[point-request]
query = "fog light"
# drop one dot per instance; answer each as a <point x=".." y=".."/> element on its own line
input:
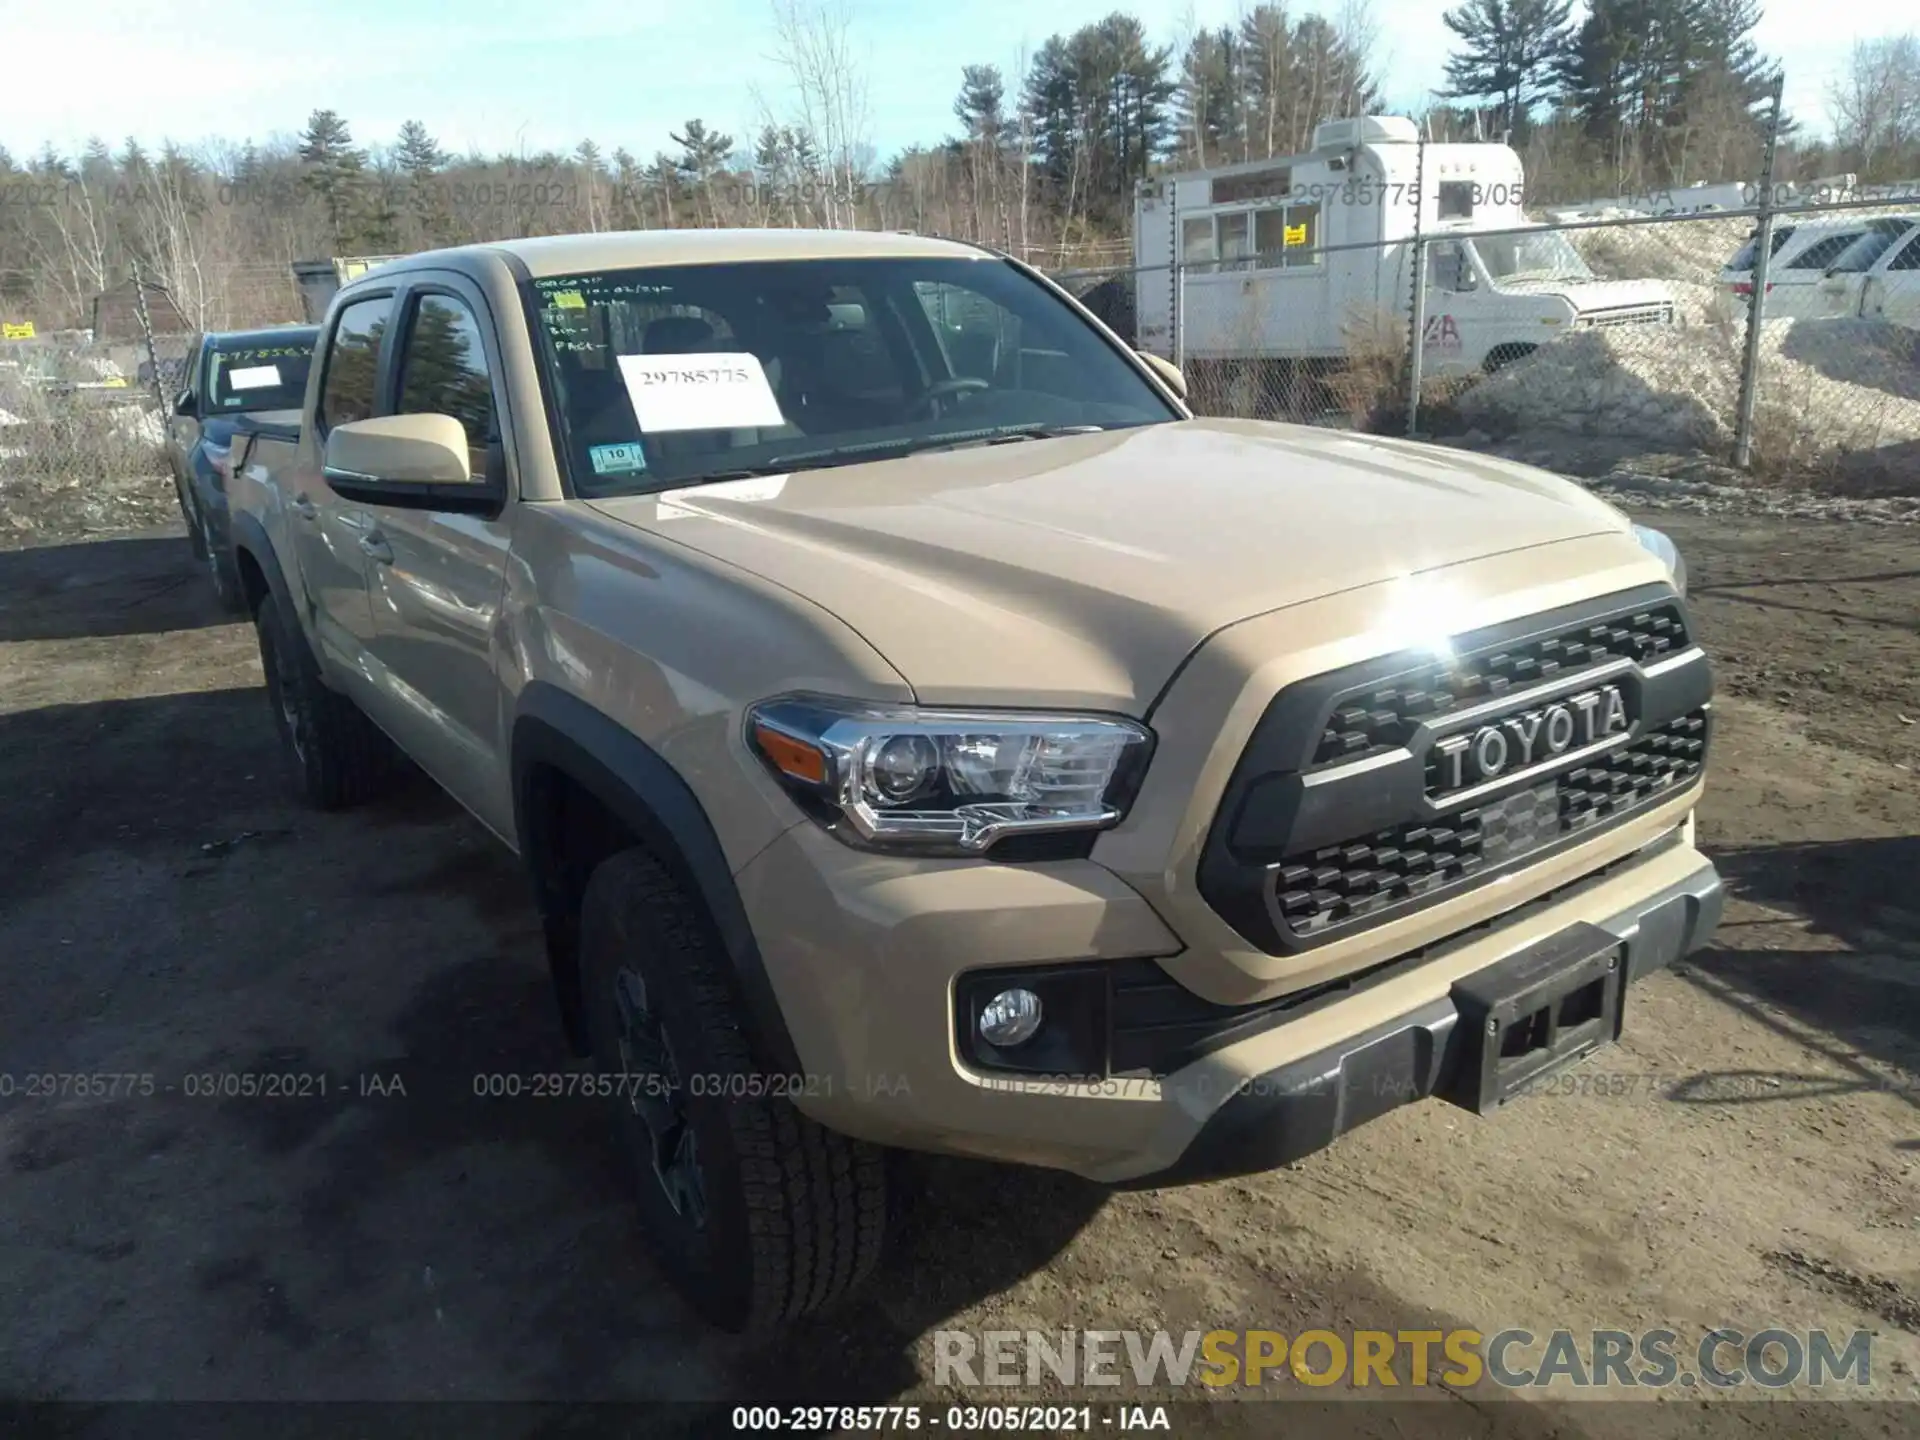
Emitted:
<point x="1010" y="1018"/>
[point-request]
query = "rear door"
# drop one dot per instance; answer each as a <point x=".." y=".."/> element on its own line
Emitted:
<point x="330" y="531"/>
<point x="1793" y="283"/>
<point x="1894" y="293"/>
<point x="435" y="577"/>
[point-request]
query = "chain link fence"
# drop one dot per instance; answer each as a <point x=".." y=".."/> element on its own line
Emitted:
<point x="83" y="428"/>
<point x="1587" y="345"/>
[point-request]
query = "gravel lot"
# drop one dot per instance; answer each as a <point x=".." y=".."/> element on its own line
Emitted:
<point x="163" y="912"/>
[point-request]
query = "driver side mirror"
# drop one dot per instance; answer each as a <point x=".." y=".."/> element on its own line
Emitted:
<point x="418" y="462"/>
<point x="1168" y="372"/>
<point x="183" y="405"/>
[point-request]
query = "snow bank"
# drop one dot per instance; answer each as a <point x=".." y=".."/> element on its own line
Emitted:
<point x="1828" y="387"/>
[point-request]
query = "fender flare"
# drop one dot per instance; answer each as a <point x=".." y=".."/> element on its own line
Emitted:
<point x="249" y="537"/>
<point x="553" y="728"/>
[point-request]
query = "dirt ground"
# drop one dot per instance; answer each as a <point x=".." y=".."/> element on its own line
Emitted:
<point x="164" y="913"/>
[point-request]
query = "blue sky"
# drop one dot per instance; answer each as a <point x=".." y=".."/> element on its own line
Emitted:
<point x="501" y="75"/>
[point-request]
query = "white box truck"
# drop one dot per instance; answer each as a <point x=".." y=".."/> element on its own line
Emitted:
<point x="1261" y="278"/>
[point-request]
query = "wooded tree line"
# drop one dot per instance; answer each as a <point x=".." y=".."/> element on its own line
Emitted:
<point x="1624" y="94"/>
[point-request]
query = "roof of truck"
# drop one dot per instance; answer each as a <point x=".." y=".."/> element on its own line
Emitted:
<point x="545" y="255"/>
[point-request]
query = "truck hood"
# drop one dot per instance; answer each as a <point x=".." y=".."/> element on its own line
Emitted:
<point x="1590" y="295"/>
<point x="1084" y="569"/>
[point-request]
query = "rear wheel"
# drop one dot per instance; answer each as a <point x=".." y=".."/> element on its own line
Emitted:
<point x="756" y="1214"/>
<point x="335" y="756"/>
<point x="1502" y="356"/>
<point x="191" y="519"/>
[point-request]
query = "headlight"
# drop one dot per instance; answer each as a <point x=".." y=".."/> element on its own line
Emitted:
<point x="1661" y="545"/>
<point x="949" y="781"/>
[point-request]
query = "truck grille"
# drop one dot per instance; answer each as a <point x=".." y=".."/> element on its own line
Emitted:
<point x="1376" y="873"/>
<point x="1375" y="790"/>
<point x="1385" y="718"/>
<point x="1661" y="314"/>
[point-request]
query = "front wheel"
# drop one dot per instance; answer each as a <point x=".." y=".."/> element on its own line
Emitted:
<point x="756" y="1214"/>
<point x="220" y="569"/>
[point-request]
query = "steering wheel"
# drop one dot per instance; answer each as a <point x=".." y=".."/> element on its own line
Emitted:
<point x="929" y="401"/>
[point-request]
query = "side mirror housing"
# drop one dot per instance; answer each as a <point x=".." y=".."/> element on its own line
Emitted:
<point x="1168" y="372"/>
<point x="183" y="404"/>
<point x="399" y="450"/>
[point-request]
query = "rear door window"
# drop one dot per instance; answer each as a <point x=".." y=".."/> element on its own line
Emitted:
<point x="1824" y="252"/>
<point x="1744" y="260"/>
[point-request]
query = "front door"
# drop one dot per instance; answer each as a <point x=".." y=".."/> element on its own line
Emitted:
<point x="435" y="579"/>
<point x="183" y="431"/>
<point x="330" y="532"/>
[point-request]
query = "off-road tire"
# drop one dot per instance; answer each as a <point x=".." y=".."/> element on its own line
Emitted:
<point x="795" y="1214"/>
<point x="335" y="756"/>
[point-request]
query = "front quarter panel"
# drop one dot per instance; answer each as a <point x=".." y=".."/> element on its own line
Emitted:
<point x="673" y="646"/>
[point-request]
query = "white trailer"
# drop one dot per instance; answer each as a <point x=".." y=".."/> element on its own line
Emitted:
<point x="1261" y="276"/>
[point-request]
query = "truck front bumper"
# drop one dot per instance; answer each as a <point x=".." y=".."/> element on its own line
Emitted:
<point x="1306" y="1104"/>
<point x="872" y="959"/>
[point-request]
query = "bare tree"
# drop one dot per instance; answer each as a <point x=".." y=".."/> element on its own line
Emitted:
<point x="1876" y="103"/>
<point x="815" y="47"/>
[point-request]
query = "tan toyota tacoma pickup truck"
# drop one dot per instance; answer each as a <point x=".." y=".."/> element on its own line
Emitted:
<point x="920" y="731"/>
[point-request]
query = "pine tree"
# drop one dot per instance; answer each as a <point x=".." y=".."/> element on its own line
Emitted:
<point x="987" y="135"/>
<point x="1209" y="101"/>
<point x="52" y="164"/>
<point x="334" y="170"/>
<point x="1509" y="50"/>
<point x="1052" y="107"/>
<point x="703" y="152"/>
<point x="417" y="152"/>
<point x="981" y="107"/>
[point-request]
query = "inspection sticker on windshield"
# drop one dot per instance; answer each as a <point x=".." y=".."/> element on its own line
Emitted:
<point x="617" y="459"/>
<point x="699" y="392"/>
<point x="254" y="377"/>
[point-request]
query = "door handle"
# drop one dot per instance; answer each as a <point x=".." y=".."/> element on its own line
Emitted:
<point x="376" y="548"/>
<point x="304" y="508"/>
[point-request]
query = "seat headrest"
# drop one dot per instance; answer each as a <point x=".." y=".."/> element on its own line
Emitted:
<point x="676" y="335"/>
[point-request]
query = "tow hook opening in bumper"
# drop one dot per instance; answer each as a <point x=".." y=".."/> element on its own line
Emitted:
<point x="1526" y="1016"/>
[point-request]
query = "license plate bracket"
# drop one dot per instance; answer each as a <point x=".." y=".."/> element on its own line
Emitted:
<point x="1534" y="1013"/>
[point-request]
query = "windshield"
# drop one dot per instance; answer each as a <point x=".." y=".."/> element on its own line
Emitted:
<point x="668" y="376"/>
<point x="258" y="377"/>
<point x="1540" y="255"/>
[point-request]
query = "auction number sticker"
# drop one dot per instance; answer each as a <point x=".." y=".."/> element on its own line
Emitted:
<point x="699" y="392"/>
<point x="254" y="377"/>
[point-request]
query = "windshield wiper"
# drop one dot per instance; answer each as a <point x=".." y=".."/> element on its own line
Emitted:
<point x="875" y="450"/>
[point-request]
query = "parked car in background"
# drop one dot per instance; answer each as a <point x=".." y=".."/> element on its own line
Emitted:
<point x="1879" y="275"/>
<point x="1802" y="252"/>
<point x="228" y="378"/>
